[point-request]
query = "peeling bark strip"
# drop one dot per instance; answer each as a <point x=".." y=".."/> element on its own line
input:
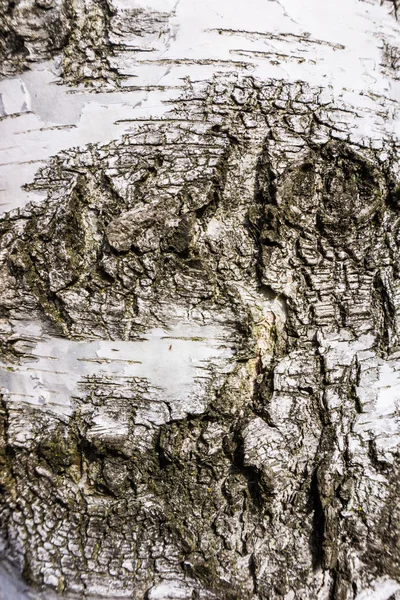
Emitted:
<point x="199" y="300"/>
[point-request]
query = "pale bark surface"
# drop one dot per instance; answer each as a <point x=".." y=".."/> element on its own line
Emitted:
<point x="199" y="300"/>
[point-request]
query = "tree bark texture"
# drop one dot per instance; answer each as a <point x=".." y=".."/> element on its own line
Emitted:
<point x="199" y="300"/>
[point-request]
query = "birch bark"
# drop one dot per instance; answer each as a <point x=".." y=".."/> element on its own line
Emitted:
<point x="199" y="300"/>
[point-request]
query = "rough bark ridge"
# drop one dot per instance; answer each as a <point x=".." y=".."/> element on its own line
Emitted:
<point x="200" y="345"/>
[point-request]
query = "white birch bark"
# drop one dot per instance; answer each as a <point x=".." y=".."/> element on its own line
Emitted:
<point x="199" y="299"/>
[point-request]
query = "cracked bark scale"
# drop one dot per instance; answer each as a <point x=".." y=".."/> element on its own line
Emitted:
<point x="199" y="301"/>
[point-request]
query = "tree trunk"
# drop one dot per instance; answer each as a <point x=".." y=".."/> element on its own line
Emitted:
<point x="200" y="300"/>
